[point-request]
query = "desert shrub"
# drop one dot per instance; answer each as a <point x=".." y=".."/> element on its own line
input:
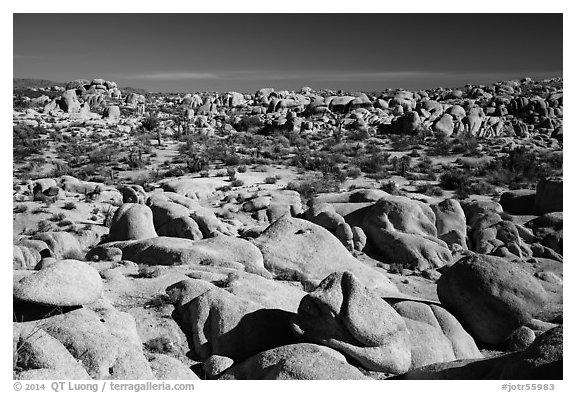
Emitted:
<point x="204" y="174"/>
<point x="465" y="144"/>
<point x="20" y="208"/>
<point x="65" y="223"/>
<point x="242" y="168"/>
<point x="175" y="171"/>
<point x="237" y="183"/>
<point x="481" y="187"/>
<point x="353" y="172"/>
<point x="150" y="123"/>
<point x="26" y="142"/>
<point x="430" y="190"/>
<point x="44" y="226"/>
<point x="309" y="187"/>
<point x="270" y="180"/>
<point x="390" y="187"/>
<point x="58" y="217"/>
<point x="231" y="159"/>
<point x="401" y="143"/>
<point x="360" y="135"/>
<point x="160" y="344"/>
<point x="380" y="175"/>
<point x="69" y="206"/>
<point x="108" y="214"/>
<point x="440" y="148"/>
<point x="453" y="179"/>
<point x="373" y="163"/>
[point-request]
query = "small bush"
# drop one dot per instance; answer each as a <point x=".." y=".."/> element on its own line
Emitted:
<point x="69" y="206"/>
<point x="65" y="223"/>
<point x="20" y="208"/>
<point x="390" y="187"/>
<point x="430" y="190"/>
<point x="271" y="180"/>
<point x="204" y="174"/>
<point x="159" y="345"/>
<point x="237" y="183"/>
<point x="242" y="169"/>
<point x="58" y="217"/>
<point x="353" y="172"/>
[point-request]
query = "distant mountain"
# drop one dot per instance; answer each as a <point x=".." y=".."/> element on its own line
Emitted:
<point x="127" y="90"/>
<point x="27" y="83"/>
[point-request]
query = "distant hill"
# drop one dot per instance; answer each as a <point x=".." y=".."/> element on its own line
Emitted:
<point x="24" y="83"/>
<point x="127" y="90"/>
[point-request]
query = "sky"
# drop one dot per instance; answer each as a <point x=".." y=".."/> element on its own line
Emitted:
<point x="244" y="52"/>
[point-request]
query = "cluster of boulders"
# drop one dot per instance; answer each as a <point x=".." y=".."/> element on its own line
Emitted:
<point x="258" y="286"/>
<point x="511" y="108"/>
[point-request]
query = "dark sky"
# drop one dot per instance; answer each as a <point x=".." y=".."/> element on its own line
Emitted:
<point x="243" y="52"/>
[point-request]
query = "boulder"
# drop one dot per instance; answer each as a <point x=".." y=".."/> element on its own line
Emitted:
<point x="435" y="335"/>
<point x="490" y="296"/>
<point x="443" y="127"/>
<point x="345" y="315"/>
<point x="166" y="367"/>
<point x="450" y="222"/>
<point x="61" y="244"/>
<point x="549" y="196"/>
<point x="543" y="360"/>
<point x="519" y="202"/>
<point x="222" y="251"/>
<point x="61" y="284"/>
<point x="36" y="349"/>
<point x="297" y="249"/>
<point x="132" y="221"/>
<point x="220" y="323"/>
<point x="68" y="101"/>
<point x="112" y="114"/>
<point x="105" y="342"/>
<point x="295" y="362"/>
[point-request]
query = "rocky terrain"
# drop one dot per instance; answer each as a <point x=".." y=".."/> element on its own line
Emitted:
<point x="288" y="235"/>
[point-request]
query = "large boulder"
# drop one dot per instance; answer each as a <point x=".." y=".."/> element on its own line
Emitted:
<point x="345" y="315"/>
<point x="450" y="222"/>
<point x="103" y="341"/>
<point x="443" y="127"/>
<point x="220" y="323"/>
<point x="193" y="188"/>
<point x="112" y="114"/>
<point x="61" y="284"/>
<point x="168" y="207"/>
<point x="61" y="244"/>
<point x="294" y="362"/>
<point x="24" y="257"/>
<point x="490" y="296"/>
<point x="222" y="251"/>
<point x="37" y="350"/>
<point x="297" y="249"/>
<point x="543" y="360"/>
<point x="518" y="201"/>
<point x="435" y="335"/>
<point x="132" y="221"/>
<point x="549" y="198"/>
<point x="403" y="231"/>
<point x="68" y="101"/>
